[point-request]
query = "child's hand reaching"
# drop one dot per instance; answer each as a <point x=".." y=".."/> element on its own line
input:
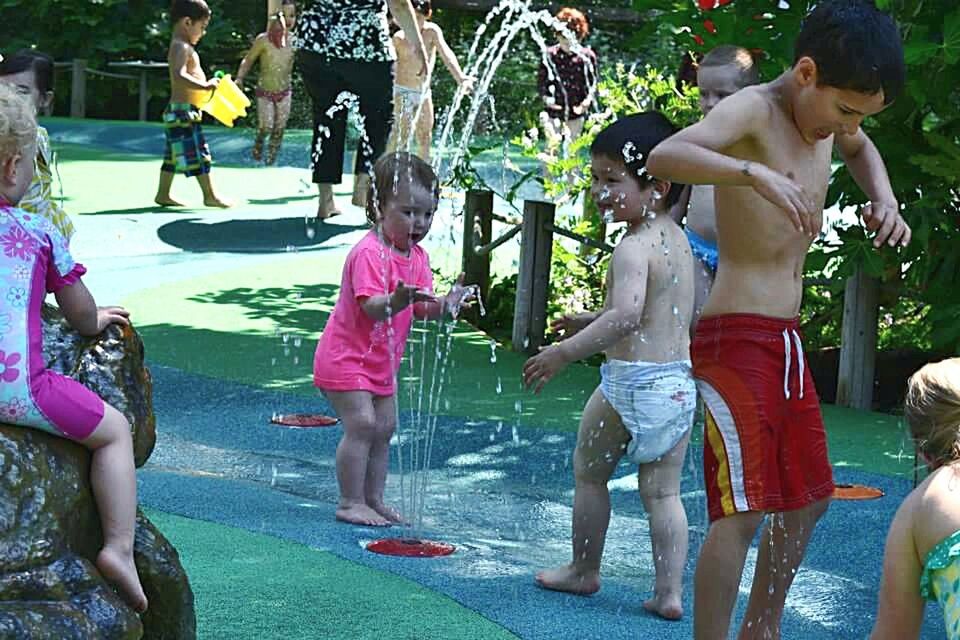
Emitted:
<point x="460" y="296"/>
<point x="539" y="369"/>
<point x="107" y="316"/>
<point x="466" y="83"/>
<point x="405" y="295"/>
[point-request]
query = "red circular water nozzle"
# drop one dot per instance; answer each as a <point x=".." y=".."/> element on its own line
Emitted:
<point x="303" y="420"/>
<point x="410" y="547"/>
<point x="856" y="492"/>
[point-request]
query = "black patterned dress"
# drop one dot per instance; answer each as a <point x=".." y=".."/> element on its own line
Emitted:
<point x="345" y="46"/>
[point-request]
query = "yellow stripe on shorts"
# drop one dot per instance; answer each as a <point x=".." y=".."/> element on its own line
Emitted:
<point x="723" y="471"/>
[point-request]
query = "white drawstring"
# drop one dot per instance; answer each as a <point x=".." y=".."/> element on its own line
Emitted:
<point x="787" y="349"/>
<point x="787" y="356"/>
<point x="796" y="339"/>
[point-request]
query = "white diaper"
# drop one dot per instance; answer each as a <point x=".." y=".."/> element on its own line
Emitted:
<point x="656" y="402"/>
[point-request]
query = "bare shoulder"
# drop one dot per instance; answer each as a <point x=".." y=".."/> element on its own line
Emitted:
<point x="935" y="505"/>
<point x="633" y="250"/>
<point x="759" y="101"/>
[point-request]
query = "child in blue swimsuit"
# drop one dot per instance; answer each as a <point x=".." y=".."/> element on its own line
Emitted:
<point x="922" y="557"/>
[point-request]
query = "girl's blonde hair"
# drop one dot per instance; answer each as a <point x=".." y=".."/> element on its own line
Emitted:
<point x="393" y="170"/>
<point x="18" y="125"/>
<point x="932" y="409"/>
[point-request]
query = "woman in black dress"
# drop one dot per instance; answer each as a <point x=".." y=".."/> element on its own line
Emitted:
<point x="345" y="45"/>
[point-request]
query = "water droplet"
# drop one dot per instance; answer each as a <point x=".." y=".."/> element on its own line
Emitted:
<point x="518" y="406"/>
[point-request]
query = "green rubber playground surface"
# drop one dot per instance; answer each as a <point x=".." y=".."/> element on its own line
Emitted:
<point x="242" y="296"/>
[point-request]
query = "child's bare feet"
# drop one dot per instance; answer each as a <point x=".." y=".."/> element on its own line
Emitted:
<point x="118" y="568"/>
<point x="167" y="202"/>
<point x="566" y="578"/>
<point x="361" y="514"/>
<point x="387" y="512"/>
<point x="668" y="608"/>
<point x="214" y="201"/>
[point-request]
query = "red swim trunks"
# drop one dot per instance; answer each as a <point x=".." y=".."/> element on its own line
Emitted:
<point x="765" y="448"/>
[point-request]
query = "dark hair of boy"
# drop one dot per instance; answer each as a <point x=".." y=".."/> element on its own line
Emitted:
<point x="193" y="9"/>
<point x="29" y="60"/>
<point x="855" y="47"/>
<point x="424" y="6"/>
<point x="630" y="140"/>
<point x="728" y="54"/>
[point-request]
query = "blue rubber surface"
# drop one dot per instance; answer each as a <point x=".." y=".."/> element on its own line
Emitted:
<point x="503" y="496"/>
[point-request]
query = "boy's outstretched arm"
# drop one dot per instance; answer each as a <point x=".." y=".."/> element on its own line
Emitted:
<point x="406" y="18"/>
<point x="449" y="57"/>
<point x="697" y="155"/>
<point x="900" y="608"/>
<point x="82" y="312"/>
<point x="622" y="316"/>
<point x="868" y="170"/>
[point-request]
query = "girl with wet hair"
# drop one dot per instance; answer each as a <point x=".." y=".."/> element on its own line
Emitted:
<point x="386" y="283"/>
<point x="922" y="557"/>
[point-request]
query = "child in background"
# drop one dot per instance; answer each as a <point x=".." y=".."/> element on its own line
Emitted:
<point x="645" y="402"/>
<point x="413" y="114"/>
<point x="568" y="87"/>
<point x="186" y="148"/>
<point x="31" y="74"/>
<point x="922" y="557"/>
<point x="35" y="261"/>
<point x="386" y="283"/>
<point x="722" y="72"/>
<point x="274" y="92"/>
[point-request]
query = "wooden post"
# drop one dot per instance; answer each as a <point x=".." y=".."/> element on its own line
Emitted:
<point x="78" y="89"/>
<point x="858" y="341"/>
<point x="477" y="231"/>
<point x="144" y="95"/>
<point x="533" y="280"/>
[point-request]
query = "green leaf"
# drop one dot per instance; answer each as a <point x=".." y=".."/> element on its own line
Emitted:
<point x="951" y="38"/>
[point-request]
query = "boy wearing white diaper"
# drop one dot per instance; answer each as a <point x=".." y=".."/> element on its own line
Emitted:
<point x="645" y="403"/>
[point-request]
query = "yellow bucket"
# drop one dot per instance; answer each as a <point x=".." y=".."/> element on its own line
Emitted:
<point x="226" y="104"/>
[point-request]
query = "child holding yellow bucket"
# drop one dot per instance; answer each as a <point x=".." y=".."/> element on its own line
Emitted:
<point x="186" y="148"/>
<point x="274" y="51"/>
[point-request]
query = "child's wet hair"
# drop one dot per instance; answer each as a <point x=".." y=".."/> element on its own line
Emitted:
<point x="193" y="9"/>
<point x="393" y="170"/>
<point x="932" y="409"/>
<point x="630" y="140"/>
<point x="576" y="21"/>
<point x="30" y="60"/>
<point x="728" y="54"/>
<point x="18" y="125"/>
<point x="855" y="47"/>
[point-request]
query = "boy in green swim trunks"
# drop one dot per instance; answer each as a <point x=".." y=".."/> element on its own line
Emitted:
<point x="922" y="558"/>
<point x="186" y="148"/>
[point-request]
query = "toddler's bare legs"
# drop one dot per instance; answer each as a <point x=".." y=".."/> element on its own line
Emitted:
<point x="600" y="444"/>
<point x="265" y="117"/>
<point x="163" y="191"/>
<point x="782" y="546"/>
<point x="115" y="491"/>
<point x="281" y="115"/>
<point x="660" y="492"/>
<point x="360" y="431"/>
<point x="385" y="408"/>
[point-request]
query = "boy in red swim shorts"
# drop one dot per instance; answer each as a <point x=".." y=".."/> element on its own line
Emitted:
<point x="768" y="150"/>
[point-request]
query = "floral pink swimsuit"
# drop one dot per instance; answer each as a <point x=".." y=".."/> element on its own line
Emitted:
<point x="34" y="261"/>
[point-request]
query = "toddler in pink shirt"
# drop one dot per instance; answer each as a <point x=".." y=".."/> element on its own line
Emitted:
<point x="386" y="283"/>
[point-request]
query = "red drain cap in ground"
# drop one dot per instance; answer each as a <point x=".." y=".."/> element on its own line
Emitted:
<point x="856" y="492"/>
<point x="410" y="547"/>
<point x="303" y="420"/>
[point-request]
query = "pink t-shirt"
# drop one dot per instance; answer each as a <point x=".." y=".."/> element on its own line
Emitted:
<point x="354" y="352"/>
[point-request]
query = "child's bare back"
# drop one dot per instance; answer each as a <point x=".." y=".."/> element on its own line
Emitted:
<point x="667" y="303"/>
<point x="408" y="59"/>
